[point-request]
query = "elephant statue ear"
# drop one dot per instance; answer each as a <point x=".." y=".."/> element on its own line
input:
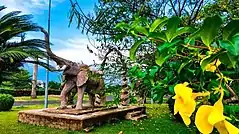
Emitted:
<point x="82" y="77"/>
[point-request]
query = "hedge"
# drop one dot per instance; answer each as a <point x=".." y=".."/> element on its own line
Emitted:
<point x="17" y="93"/>
<point x="6" y="102"/>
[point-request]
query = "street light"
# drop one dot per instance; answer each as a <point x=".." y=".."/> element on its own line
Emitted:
<point x="48" y="41"/>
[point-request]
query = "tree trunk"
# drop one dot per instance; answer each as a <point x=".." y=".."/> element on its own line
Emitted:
<point x="34" y="81"/>
<point x="124" y="92"/>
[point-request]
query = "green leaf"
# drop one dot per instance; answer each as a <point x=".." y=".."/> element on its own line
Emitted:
<point x="153" y="70"/>
<point x="122" y="26"/>
<point x="231" y="46"/>
<point x="158" y="23"/>
<point x="192" y="37"/>
<point x="167" y="45"/>
<point x="158" y="93"/>
<point x="172" y="26"/>
<point x="134" y="48"/>
<point x="209" y="29"/>
<point x="171" y="89"/>
<point x="230" y="29"/>
<point x="161" y="58"/>
<point x="208" y="60"/>
<point x="182" y="30"/>
<point x="228" y="59"/>
<point x="142" y="30"/>
<point x="141" y="74"/>
<point x="182" y="66"/>
<point x="118" y="37"/>
<point x="157" y="36"/>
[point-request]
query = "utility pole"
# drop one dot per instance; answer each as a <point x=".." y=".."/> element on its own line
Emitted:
<point x="47" y="71"/>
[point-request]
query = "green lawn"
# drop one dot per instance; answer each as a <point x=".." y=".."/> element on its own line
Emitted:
<point x="159" y="122"/>
<point x="41" y="98"/>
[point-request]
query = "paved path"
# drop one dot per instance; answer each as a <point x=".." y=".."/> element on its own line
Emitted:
<point x="35" y="102"/>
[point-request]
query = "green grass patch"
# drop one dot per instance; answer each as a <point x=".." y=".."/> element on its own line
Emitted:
<point x="39" y="98"/>
<point x="159" y="122"/>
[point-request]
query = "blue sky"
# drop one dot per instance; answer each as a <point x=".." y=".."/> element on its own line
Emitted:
<point x="68" y="42"/>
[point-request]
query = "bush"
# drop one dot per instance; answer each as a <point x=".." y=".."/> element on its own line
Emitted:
<point x="6" y="102"/>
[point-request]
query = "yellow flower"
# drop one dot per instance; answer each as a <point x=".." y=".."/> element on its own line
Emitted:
<point x="208" y="117"/>
<point x="185" y="102"/>
<point x="211" y="67"/>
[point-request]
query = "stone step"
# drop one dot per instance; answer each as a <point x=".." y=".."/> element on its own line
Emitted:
<point x="139" y="117"/>
<point x="133" y="114"/>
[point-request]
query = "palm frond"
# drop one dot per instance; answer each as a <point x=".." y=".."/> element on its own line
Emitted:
<point x="43" y="64"/>
<point x="2" y="8"/>
<point x="14" y="55"/>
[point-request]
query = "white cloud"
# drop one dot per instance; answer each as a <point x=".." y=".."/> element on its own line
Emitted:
<point x="75" y="49"/>
<point x="27" y="6"/>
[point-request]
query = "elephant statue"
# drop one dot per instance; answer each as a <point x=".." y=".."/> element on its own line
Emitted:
<point x="78" y="76"/>
<point x="83" y="80"/>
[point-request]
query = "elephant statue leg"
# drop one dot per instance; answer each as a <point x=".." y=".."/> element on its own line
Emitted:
<point x="80" y="92"/>
<point x="102" y="99"/>
<point x="71" y="95"/>
<point x="92" y="100"/>
<point x="66" y="88"/>
<point x="81" y="80"/>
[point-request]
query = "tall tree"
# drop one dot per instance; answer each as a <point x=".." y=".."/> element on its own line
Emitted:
<point x="108" y="13"/>
<point x="34" y="81"/>
<point x="14" y="54"/>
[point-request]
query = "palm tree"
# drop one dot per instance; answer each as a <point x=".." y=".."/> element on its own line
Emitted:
<point x="14" y="54"/>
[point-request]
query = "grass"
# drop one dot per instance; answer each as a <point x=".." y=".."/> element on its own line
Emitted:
<point x="159" y="122"/>
<point x="41" y="98"/>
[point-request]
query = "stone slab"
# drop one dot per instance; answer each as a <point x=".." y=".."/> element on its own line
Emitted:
<point x="75" y="119"/>
<point x="86" y="109"/>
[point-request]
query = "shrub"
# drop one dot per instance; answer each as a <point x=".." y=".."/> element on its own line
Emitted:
<point x="6" y="102"/>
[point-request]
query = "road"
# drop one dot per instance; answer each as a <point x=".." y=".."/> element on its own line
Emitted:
<point x="22" y="103"/>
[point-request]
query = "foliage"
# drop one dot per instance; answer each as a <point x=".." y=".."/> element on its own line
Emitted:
<point x="13" y="53"/>
<point x="6" y="102"/>
<point x="19" y="80"/>
<point x="197" y="55"/>
<point x="114" y="91"/>
<point x="54" y="85"/>
<point x="108" y="13"/>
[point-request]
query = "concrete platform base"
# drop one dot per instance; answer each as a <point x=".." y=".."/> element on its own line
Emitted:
<point x="72" y="119"/>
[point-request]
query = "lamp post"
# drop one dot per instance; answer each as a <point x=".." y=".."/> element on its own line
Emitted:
<point x="47" y="38"/>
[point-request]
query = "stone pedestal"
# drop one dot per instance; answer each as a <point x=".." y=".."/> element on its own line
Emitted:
<point x="72" y="119"/>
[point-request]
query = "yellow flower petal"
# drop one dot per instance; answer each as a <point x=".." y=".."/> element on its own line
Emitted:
<point x="211" y="67"/>
<point x="177" y="104"/>
<point x="230" y="128"/>
<point x="220" y="126"/>
<point x="201" y="119"/>
<point x="183" y="91"/>
<point x="186" y="119"/>
<point x="215" y="116"/>
<point x="218" y="62"/>
<point x="188" y="108"/>
<point x="219" y="105"/>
